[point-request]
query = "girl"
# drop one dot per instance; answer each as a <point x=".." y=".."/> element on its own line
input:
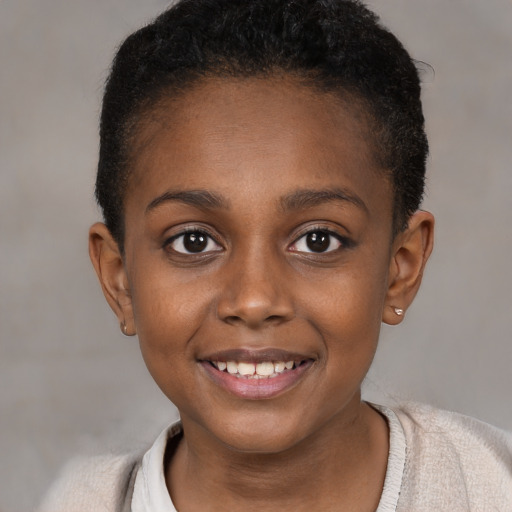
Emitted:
<point x="261" y="170"/>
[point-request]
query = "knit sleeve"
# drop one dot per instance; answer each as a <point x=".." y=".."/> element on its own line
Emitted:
<point x="102" y="484"/>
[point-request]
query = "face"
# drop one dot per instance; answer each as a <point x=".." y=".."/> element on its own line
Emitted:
<point x="257" y="257"/>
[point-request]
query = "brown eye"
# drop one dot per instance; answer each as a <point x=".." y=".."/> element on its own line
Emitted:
<point x="193" y="242"/>
<point x="319" y="241"/>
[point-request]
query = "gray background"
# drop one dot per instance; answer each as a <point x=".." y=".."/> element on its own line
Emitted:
<point x="69" y="381"/>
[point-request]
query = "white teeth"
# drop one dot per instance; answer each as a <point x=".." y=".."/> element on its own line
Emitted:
<point x="261" y="370"/>
<point x="232" y="367"/>
<point x="265" y="368"/>
<point x="279" y="367"/>
<point x="246" y="368"/>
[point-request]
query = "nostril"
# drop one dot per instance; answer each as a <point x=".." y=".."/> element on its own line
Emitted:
<point x="274" y="318"/>
<point x="253" y="321"/>
<point x="232" y="319"/>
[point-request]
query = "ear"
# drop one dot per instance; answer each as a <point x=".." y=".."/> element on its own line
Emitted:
<point x="411" y="250"/>
<point x="109" y="265"/>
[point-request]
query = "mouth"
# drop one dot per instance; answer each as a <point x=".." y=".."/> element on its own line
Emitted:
<point x="261" y="370"/>
<point x="256" y="375"/>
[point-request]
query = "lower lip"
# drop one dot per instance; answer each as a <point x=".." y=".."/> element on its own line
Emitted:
<point x="257" y="389"/>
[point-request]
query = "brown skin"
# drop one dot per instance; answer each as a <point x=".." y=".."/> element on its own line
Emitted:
<point x="256" y="143"/>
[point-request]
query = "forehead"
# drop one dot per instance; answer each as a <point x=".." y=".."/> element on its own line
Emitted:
<point x="276" y="131"/>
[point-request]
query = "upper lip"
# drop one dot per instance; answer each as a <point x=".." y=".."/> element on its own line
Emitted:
<point x="251" y="355"/>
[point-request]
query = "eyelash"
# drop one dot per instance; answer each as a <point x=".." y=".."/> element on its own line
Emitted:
<point x="343" y="242"/>
<point x="200" y="232"/>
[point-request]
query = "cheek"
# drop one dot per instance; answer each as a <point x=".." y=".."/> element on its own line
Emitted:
<point x="167" y="314"/>
<point x="349" y="325"/>
<point x="346" y="308"/>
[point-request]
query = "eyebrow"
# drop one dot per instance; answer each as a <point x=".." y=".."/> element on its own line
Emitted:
<point x="198" y="198"/>
<point x="302" y="199"/>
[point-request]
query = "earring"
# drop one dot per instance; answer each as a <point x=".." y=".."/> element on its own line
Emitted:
<point x="398" y="311"/>
<point x="124" y="329"/>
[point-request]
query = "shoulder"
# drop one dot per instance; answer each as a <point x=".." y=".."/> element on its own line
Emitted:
<point x="426" y="425"/>
<point x="454" y="460"/>
<point x="100" y="483"/>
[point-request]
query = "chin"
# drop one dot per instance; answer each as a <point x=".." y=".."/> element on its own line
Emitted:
<point x="263" y="436"/>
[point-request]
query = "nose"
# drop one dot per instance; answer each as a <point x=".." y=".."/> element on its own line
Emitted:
<point x="255" y="292"/>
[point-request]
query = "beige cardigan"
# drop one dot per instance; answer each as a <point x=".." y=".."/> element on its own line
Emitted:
<point x="449" y="462"/>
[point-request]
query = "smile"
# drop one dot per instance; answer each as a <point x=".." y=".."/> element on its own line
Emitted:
<point x="262" y="370"/>
<point x="256" y="375"/>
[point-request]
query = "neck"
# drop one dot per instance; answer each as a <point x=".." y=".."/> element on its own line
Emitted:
<point x="342" y="466"/>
